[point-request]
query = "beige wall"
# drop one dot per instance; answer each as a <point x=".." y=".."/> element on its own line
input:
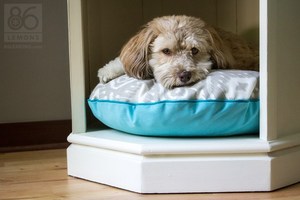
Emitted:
<point x="34" y="73"/>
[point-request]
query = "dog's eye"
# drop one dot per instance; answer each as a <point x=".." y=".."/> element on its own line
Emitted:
<point x="194" y="51"/>
<point x="167" y="51"/>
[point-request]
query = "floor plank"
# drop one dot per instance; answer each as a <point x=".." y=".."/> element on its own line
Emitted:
<point x="42" y="175"/>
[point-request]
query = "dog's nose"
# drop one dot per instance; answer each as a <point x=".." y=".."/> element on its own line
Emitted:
<point x="185" y="76"/>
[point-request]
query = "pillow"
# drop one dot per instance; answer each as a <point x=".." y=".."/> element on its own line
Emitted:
<point x="225" y="103"/>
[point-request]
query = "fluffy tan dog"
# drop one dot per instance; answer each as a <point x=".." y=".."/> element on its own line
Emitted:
<point x="180" y="50"/>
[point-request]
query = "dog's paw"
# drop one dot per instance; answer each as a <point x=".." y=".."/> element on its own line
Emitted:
<point x="105" y="75"/>
<point x="111" y="71"/>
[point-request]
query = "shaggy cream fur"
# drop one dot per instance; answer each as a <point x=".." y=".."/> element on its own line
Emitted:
<point x="181" y="50"/>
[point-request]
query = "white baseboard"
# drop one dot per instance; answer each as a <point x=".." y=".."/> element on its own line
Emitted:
<point x="105" y="161"/>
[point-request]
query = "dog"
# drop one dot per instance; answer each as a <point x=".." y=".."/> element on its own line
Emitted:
<point x="179" y="51"/>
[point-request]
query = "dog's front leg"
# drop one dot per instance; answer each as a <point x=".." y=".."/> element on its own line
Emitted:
<point x="111" y="71"/>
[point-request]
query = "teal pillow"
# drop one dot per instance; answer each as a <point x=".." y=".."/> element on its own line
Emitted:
<point x="225" y="103"/>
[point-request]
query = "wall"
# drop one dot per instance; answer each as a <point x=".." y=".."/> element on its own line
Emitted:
<point x="34" y="71"/>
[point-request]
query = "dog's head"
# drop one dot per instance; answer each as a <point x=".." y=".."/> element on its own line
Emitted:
<point x="175" y="50"/>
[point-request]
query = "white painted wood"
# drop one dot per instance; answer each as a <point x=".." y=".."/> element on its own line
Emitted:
<point x="279" y="68"/>
<point x="108" y="167"/>
<point x="206" y="174"/>
<point x="285" y="167"/>
<point x="77" y="67"/>
<point x="264" y="162"/>
<point x="263" y="63"/>
<point x="185" y="173"/>
<point x="164" y="174"/>
<point x="268" y="77"/>
<point x="118" y="141"/>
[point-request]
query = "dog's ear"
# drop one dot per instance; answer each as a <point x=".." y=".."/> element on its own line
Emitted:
<point x="220" y="53"/>
<point x="134" y="54"/>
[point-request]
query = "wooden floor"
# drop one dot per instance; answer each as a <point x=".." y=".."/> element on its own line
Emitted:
<point x="43" y="175"/>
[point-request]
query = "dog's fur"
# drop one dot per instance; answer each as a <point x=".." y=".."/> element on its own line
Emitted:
<point x="180" y="50"/>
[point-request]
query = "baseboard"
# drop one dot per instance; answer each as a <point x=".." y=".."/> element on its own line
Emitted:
<point x="185" y="173"/>
<point x="184" y="165"/>
<point x="34" y="135"/>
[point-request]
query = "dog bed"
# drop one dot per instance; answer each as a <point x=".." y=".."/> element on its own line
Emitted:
<point x="225" y="103"/>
